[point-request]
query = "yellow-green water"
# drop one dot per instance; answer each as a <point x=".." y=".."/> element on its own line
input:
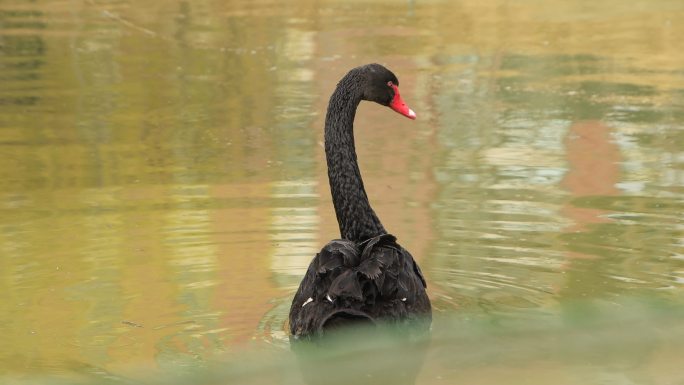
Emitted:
<point x="163" y="188"/>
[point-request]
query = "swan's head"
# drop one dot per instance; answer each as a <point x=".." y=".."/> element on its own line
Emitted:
<point x="381" y="86"/>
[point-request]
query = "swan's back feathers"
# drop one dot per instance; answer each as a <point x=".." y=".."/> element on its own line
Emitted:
<point x="376" y="278"/>
<point x="337" y="253"/>
<point x="346" y="287"/>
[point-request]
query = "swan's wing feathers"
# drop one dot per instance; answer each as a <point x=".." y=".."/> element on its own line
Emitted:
<point x="394" y="272"/>
<point x="350" y="253"/>
<point x="388" y="239"/>
<point x="368" y="247"/>
<point x="378" y="262"/>
<point x="342" y="245"/>
<point x="336" y="253"/>
<point x="380" y="240"/>
<point x="371" y="268"/>
<point x="328" y="261"/>
<point x="346" y="285"/>
<point x="391" y="268"/>
<point x="416" y="268"/>
<point x="388" y="286"/>
<point x="419" y="273"/>
<point x="404" y="283"/>
<point x="307" y="289"/>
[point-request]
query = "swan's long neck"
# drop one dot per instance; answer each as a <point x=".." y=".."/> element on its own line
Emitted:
<point x="356" y="218"/>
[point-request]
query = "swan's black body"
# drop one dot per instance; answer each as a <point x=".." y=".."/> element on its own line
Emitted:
<point x="366" y="276"/>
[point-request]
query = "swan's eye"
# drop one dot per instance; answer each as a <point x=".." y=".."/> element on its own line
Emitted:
<point x="389" y="83"/>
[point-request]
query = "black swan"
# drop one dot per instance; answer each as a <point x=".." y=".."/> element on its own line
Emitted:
<point x="366" y="277"/>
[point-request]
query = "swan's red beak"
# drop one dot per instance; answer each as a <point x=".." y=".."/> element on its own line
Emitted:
<point x="397" y="104"/>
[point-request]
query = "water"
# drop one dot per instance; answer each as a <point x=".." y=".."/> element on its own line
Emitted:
<point x="163" y="188"/>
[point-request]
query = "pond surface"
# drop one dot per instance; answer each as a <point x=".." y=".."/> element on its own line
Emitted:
<point x="163" y="184"/>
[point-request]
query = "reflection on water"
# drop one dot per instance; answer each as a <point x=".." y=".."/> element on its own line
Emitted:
<point x="163" y="184"/>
